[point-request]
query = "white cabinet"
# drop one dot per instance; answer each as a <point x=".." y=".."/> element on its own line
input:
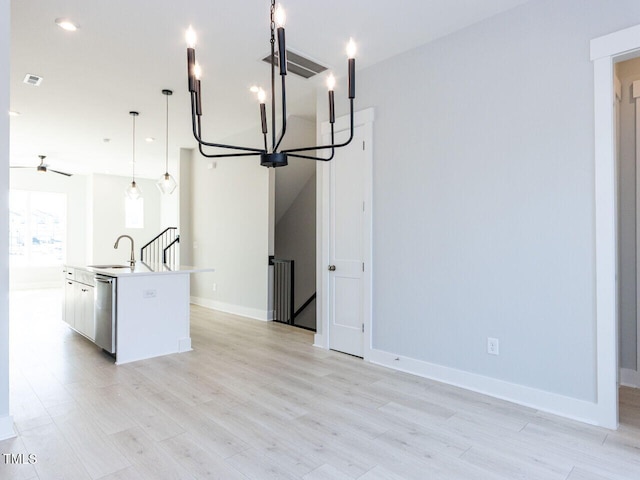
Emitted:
<point x="79" y="302"/>
<point x="83" y="310"/>
<point x="69" y="302"/>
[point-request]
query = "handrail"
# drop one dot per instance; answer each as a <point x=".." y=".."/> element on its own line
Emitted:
<point x="154" y="239"/>
<point x="305" y="305"/>
<point x="164" y="251"/>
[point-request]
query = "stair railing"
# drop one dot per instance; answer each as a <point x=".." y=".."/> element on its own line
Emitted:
<point x="161" y="249"/>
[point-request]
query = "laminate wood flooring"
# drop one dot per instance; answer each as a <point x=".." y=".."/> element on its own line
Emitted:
<point x="255" y="400"/>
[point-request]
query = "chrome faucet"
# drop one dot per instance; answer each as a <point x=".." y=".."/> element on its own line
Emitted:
<point x="132" y="262"/>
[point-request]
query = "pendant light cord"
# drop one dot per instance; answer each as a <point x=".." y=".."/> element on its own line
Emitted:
<point x="166" y="141"/>
<point x="133" y="163"/>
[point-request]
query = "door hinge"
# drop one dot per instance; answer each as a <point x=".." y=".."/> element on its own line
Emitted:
<point x="363" y="266"/>
<point x="363" y="144"/>
<point x="363" y="328"/>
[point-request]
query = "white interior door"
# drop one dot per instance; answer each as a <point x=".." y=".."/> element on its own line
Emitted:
<point x="346" y="249"/>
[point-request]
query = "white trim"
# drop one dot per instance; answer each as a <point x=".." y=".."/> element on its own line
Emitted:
<point x="255" y="313"/>
<point x="604" y="51"/>
<point x="363" y="118"/>
<point x="629" y="378"/>
<point x="573" y="408"/>
<point x="6" y="428"/>
<point x="615" y="44"/>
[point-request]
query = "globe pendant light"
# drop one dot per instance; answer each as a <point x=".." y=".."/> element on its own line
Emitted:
<point x="166" y="184"/>
<point x="133" y="191"/>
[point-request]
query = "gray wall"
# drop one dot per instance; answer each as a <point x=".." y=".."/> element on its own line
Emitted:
<point x="185" y="228"/>
<point x="296" y="240"/>
<point x="483" y="191"/>
<point x="107" y="213"/>
<point x="628" y="72"/>
<point x="4" y="207"/>
<point x="230" y="222"/>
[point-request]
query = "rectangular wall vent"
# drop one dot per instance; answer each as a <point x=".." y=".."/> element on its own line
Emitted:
<point x="32" y="79"/>
<point x="298" y="64"/>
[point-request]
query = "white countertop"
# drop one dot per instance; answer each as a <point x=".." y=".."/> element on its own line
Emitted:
<point x="141" y="268"/>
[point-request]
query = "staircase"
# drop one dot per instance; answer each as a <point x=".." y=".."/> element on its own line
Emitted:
<point x="162" y="250"/>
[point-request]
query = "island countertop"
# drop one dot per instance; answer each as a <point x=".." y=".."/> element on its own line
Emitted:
<point x="140" y="269"/>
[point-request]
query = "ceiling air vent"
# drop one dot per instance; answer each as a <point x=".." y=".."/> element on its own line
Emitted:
<point x="32" y="79"/>
<point x="298" y="64"/>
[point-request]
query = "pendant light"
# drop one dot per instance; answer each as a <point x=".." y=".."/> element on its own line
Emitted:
<point x="166" y="183"/>
<point x="133" y="191"/>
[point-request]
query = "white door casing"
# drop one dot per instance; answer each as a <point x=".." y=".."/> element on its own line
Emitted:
<point x="344" y="240"/>
<point x="605" y="51"/>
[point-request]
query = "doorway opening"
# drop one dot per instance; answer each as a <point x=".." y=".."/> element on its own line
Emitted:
<point x="294" y="265"/>
<point x="627" y="138"/>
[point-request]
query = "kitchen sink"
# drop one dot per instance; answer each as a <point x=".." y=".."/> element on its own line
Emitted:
<point x="108" y="266"/>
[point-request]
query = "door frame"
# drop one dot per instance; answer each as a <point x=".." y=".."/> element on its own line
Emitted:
<point x="605" y="51"/>
<point x="363" y="118"/>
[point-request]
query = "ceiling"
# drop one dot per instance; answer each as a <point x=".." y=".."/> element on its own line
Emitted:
<point x="126" y="51"/>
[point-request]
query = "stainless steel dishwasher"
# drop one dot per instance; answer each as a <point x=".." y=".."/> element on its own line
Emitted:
<point x="105" y="309"/>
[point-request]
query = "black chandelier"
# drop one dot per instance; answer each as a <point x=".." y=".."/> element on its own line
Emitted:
<point x="271" y="156"/>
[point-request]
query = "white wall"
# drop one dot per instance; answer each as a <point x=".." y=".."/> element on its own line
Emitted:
<point x="483" y="195"/>
<point x="108" y="213"/>
<point x="230" y="218"/>
<point x="6" y="423"/>
<point x="184" y="199"/>
<point x="75" y="189"/>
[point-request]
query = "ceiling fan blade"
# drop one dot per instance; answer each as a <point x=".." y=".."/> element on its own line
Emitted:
<point x="61" y="173"/>
<point x="18" y="166"/>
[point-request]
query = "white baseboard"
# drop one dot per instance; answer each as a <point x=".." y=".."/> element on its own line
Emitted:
<point x="256" y="314"/>
<point x="554" y="403"/>
<point x="629" y="378"/>
<point x="6" y="428"/>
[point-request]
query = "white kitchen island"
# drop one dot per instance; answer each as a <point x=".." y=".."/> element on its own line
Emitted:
<point x="151" y="308"/>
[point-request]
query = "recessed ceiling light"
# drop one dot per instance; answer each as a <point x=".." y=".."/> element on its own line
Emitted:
<point x="13" y="113"/>
<point x="66" y="24"/>
<point x="149" y="139"/>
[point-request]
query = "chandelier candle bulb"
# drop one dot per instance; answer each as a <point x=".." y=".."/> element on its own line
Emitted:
<point x="351" y="54"/>
<point x="331" y="85"/>
<point x="198" y="99"/>
<point x="282" y="52"/>
<point x="197" y="73"/>
<point x="262" y="96"/>
<point x="190" y="37"/>
<point x="280" y="18"/>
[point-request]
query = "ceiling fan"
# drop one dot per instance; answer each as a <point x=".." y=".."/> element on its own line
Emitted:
<point x="44" y="168"/>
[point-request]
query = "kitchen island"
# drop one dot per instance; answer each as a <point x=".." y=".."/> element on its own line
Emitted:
<point x="146" y="308"/>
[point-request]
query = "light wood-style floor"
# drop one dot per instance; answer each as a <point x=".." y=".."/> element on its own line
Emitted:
<point x="256" y="401"/>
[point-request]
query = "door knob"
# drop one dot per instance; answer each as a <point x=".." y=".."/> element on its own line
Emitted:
<point x="332" y="268"/>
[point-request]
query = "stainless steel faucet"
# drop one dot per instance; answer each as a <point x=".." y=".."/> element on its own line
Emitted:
<point x="132" y="262"/>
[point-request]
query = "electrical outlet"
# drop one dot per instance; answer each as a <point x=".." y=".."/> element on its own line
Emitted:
<point x="493" y="347"/>
<point x="215" y="287"/>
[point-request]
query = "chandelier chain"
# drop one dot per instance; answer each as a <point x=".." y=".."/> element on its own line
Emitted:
<point x="273" y="22"/>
